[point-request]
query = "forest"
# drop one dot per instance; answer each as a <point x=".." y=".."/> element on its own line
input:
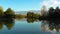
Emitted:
<point x="51" y="14"/>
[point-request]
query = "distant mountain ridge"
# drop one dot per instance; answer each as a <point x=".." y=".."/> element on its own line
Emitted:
<point x="25" y="12"/>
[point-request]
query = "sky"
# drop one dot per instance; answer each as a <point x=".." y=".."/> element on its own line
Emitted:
<point x="25" y="5"/>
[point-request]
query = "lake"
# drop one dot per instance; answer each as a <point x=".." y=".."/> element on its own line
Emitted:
<point x="23" y="27"/>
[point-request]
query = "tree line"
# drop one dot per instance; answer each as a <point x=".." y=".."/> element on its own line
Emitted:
<point x="9" y="13"/>
<point x="51" y="14"/>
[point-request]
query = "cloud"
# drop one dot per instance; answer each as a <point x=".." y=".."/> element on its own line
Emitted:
<point x="49" y="3"/>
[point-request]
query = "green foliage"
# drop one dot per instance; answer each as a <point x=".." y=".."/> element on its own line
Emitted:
<point x="1" y="12"/>
<point x="9" y="12"/>
<point x="31" y="17"/>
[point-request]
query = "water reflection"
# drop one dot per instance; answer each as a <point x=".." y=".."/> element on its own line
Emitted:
<point x="54" y="25"/>
<point x="9" y="23"/>
<point x="48" y="25"/>
<point x="51" y="25"/>
<point x="31" y="20"/>
<point x="44" y="25"/>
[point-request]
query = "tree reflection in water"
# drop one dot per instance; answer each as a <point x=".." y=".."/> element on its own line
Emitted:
<point x="9" y="23"/>
<point x="51" y="25"/>
<point x="44" y="26"/>
<point x="1" y="25"/>
<point x="31" y="20"/>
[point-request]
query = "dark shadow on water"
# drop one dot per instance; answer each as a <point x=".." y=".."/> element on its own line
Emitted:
<point x="52" y="25"/>
<point x="9" y="23"/>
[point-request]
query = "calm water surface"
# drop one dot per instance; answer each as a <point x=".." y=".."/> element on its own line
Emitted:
<point x="23" y="27"/>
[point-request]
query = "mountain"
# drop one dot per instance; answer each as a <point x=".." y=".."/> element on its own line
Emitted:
<point x="25" y="12"/>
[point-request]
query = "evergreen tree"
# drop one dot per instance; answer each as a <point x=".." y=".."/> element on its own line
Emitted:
<point x="9" y="12"/>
